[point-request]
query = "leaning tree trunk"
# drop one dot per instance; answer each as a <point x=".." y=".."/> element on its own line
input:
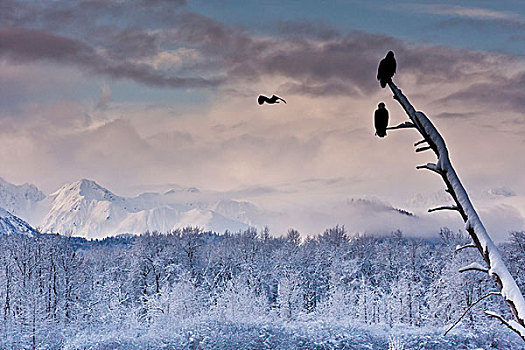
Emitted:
<point x="480" y="238"/>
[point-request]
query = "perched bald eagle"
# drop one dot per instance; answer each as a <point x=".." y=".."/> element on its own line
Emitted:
<point x="271" y="100"/>
<point x="381" y="120"/>
<point x="386" y="69"/>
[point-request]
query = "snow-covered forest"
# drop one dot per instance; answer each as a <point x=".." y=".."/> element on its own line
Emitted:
<point x="195" y="289"/>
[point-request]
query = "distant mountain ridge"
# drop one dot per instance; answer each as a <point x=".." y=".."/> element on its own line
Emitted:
<point x="20" y="200"/>
<point x="84" y="208"/>
<point x="10" y="224"/>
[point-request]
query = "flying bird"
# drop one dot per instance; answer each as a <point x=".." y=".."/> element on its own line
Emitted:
<point x="386" y="69"/>
<point x="381" y="120"/>
<point x="272" y="100"/>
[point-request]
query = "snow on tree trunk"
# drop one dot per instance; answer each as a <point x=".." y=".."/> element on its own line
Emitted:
<point x="496" y="268"/>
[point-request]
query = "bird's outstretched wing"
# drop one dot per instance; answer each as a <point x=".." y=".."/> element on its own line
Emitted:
<point x="275" y="97"/>
<point x="272" y="100"/>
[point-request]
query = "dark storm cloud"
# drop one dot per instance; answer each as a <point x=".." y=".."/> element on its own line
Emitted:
<point x="335" y="66"/>
<point x="309" y="63"/>
<point x="23" y="45"/>
<point x="348" y="65"/>
<point x="225" y="46"/>
<point x="122" y="39"/>
<point x="338" y="66"/>
<point x="500" y="94"/>
<point x="121" y="27"/>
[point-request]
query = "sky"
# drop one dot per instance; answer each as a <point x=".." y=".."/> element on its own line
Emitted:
<point x="141" y="95"/>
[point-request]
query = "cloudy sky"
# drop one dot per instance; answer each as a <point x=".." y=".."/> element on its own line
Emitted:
<point x="144" y="94"/>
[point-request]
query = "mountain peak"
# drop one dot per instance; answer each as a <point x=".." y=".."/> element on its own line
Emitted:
<point x="20" y="200"/>
<point x="87" y="189"/>
<point x="89" y="185"/>
<point x="27" y="190"/>
<point x="182" y="190"/>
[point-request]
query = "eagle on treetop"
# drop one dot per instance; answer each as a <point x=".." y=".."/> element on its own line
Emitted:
<point x="386" y="69"/>
<point x="381" y="120"/>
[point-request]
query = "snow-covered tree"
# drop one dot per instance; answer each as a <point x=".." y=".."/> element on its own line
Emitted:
<point x="480" y="239"/>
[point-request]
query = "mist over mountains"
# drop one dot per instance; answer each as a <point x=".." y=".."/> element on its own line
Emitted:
<point x="84" y="208"/>
<point x="87" y="209"/>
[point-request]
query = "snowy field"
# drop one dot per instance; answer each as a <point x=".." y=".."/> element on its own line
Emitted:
<point x="273" y="334"/>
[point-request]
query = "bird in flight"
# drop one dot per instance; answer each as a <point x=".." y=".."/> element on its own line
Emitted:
<point x="386" y="69"/>
<point x="272" y="100"/>
<point x="381" y="120"/>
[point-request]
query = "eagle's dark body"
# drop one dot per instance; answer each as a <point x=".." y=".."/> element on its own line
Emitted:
<point x="386" y="69"/>
<point x="274" y="99"/>
<point x="381" y="120"/>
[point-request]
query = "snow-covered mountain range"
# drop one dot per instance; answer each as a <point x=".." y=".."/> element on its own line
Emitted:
<point x="84" y="208"/>
<point x="87" y="209"/>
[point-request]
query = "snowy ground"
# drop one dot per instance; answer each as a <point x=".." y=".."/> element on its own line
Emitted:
<point x="265" y="334"/>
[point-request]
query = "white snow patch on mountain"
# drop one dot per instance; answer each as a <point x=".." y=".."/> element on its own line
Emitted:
<point x="10" y="224"/>
<point x="20" y="200"/>
<point x="87" y="209"/>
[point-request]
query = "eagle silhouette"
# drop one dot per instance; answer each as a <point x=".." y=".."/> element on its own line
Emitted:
<point x="381" y="120"/>
<point x="272" y="100"/>
<point x="386" y="69"/>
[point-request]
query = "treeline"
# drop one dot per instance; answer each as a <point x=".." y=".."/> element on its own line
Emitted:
<point x="54" y="288"/>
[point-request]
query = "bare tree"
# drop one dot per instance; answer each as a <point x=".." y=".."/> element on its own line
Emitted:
<point x="432" y="140"/>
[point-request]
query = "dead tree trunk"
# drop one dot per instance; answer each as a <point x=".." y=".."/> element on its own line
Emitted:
<point x="481" y="240"/>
